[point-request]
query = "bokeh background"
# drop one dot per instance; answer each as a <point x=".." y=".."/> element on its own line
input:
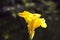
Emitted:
<point x="13" y="27"/>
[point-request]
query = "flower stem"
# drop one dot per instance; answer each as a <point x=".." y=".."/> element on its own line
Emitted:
<point x="30" y="38"/>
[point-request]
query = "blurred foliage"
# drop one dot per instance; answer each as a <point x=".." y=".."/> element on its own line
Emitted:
<point x="12" y="27"/>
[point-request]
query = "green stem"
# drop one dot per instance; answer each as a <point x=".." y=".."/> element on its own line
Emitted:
<point x="30" y="38"/>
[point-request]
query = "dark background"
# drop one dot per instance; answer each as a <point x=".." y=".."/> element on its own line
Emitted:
<point x="13" y="27"/>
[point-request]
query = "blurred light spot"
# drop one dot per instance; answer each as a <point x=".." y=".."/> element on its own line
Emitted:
<point x="8" y="8"/>
<point x="50" y="18"/>
<point x="5" y="9"/>
<point x="55" y="11"/>
<point x="29" y="4"/>
<point x="56" y="18"/>
<point x="5" y="36"/>
<point x="38" y="8"/>
<point x="12" y="8"/>
<point x="18" y="5"/>
<point x="32" y="4"/>
<point x="14" y="15"/>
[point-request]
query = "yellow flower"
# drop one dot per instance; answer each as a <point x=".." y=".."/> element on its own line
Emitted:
<point x="34" y="21"/>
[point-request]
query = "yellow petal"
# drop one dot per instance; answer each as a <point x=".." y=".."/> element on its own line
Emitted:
<point x="33" y="21"/>
<point x="32" y="34"/>
<point x="24" y="14"/>
<point x="37" y="15"/>
<point x="36" y="23"/>
<point x="43" y="24"/>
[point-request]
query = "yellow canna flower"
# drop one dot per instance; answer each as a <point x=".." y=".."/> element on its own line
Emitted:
<point x="34" y="21"/>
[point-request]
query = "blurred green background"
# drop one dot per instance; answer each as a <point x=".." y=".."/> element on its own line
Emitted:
<point x="13" y="27"/>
